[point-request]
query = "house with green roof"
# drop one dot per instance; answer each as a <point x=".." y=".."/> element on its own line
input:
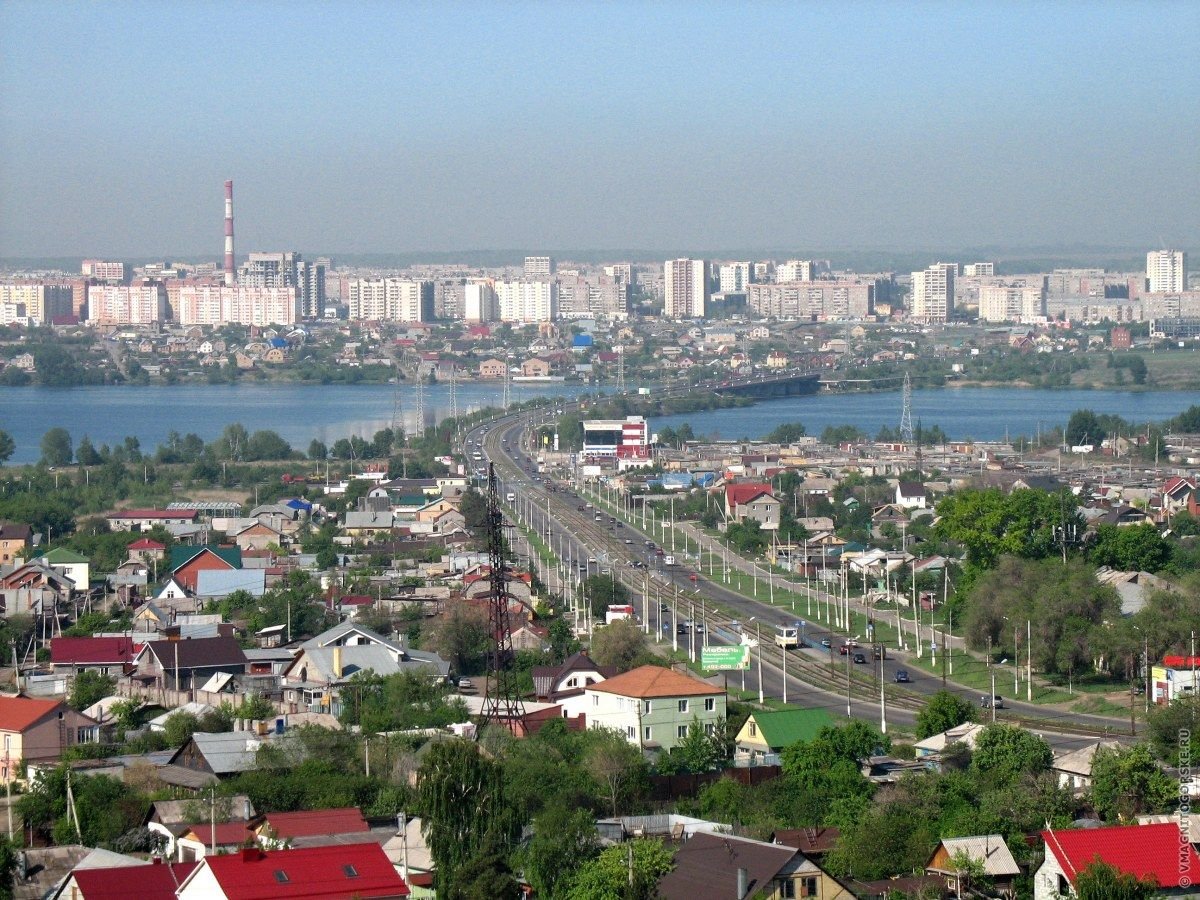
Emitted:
<point x="767" y="732"/>
<point x="66" y="562"/>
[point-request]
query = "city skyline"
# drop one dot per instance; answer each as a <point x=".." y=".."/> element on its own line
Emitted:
<point x="555" y="129"/>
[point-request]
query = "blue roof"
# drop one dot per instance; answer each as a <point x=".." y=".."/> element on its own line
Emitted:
<point x="582" y="340"/>
<point x="297" y="503"/>
<point x="278" y="342"/>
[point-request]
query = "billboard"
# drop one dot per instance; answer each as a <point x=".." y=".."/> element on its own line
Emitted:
<point x="725" y="659"/>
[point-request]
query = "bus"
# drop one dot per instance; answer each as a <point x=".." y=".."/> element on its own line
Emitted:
<point x="787" y="636"/>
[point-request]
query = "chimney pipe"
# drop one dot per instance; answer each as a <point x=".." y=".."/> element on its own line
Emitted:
<point x="229" y="267"/>
<point x="743" y="884"/>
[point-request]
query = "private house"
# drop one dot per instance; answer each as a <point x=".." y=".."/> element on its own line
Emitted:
<point x="316" y="873"/>
<point x="989" y="851"/>
<point x="224" y="754"/>
<point x="148" y="550"/>
<point x="72" y="565"/>
<point x="535" y="368"/>
<point x="260" y="536"/>
<point x="170" y="819"/>
<point x="36" y="730"/>
<point x="814" y="843"/>
<point x="103" y="655"/>
<point x="15" y="541"/>
<point x="183" y="664"/>
<point x="33" y="587"/>
<point x="367" y="522"/>
<point x="910" y="495"/>
<point x="212" y="584"/>
<point x="711" y="866"/>
<point x="1155" y="851"/>
<point x="752" y="501"/>
<point x="764" y="734"/>
<point x="187" y="562"/>
<point x="145" y="519"/>
<point x="1074" y="769"/>
<point x="967" y="733"/>
<point x="533" y="638"/>
<point x="652" y="706"/>
<point x="271" y="831"/>
<point x="157" y="881"/>
<point x="1176" y="494"/>
<point x="1124" y="516"/>
<point x="552" y="684"/>
<point x="493" y="368"/>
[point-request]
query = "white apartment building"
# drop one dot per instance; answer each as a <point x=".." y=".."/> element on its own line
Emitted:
<point x="734" y="277"/>
<point x="114" y="304"/>
<point x="37" y="301"/>
<point x="539" y="266"/>
<point x="794" y="270"/>
<point x="979" y="270"/>
<point x="685" y="289"/>
<point x="620" y="271"/>
<point x="527" y="300"/>
<point x="211" y="304"/>
<point x="1008" y="303"/>
<point x="819" y="300"/>
<point x="479" y="302"/>
<point x="103" y="270"/>
<point x="933" y="293"/>
<point x="390" y="300"/>
<point x="1166" y="271"/>
<point x="288" y="269"/>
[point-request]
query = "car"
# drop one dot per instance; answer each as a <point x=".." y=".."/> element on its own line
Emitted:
<point x="682" y="628"/>
<point x="735" y="624"/>
<point x="650" y="544"/>
<point x="662" y="607"/>
<point x="993" y="702"/>
<point x="843" y="650"/>
<point x="465" y="684"/>
<point x="628" y="541"/>
<point x="826" y="642"/>
<point x="901" y="677"/>
<point x="622" y="525"/>
<point x="580" y="508"/>
<point x="879" y="651"/>
<point x="852" y="642"/>
<point x="860" y="658"/>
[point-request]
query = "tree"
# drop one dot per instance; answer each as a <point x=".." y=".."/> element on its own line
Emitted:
<point x="942" y="712"/>
<point x="1005" y="752"/>
<point x="1084" y="428"/>
<point x="787" y="433"/>
<point x="1128" y="782"/>
<point x="485" y="876"/>
<point x="56" y="447"/>
<point x="473" y="507"/>
<point x="85" y="453"/>
<point x="613" y="762"/>
<point x="7" y="447"/>
<point x="629" y="871"/>
<point x="563" y="839"/>
<point x="603" y="591"/>
<point x="463" y="812"/>
<point x="621" y="644"/>
<point x="1101" y="881"/>
<point x="1134" y="548"/>
<point x="1167" y="723"/>
<point x="697" y="752"/>
<point x="462" y="636"/>
<point x="317" y="450"/>
<point x="89" y="687"/>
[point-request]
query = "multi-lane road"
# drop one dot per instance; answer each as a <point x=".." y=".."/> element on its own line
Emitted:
<point x="586" y="540"/>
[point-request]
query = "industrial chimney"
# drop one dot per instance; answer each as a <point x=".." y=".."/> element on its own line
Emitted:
<point x="229" y="270"/>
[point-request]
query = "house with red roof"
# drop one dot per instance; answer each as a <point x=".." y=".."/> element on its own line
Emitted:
<point x="312" y="873"/>
<point x="1159" y="852"/>
<point x="752" y="500"/>
<point x="34" y="730"/>
<point x="651" y="706"/>
<point x="105" y="655"/>
<point x="154" y="881"/>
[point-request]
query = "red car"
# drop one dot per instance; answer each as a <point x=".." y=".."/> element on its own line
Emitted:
<point x="843" y="650"/>
<point x="692" y="576"/>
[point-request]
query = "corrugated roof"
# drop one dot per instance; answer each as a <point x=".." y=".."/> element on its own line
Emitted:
<point x="988" y="849"/>
<point x="354" y="870"/>
<point x="223" y="582"/>
<point x="198" y="653"/>
<point x="786" y="726"/>
<point x="18" y="713"/>
<point x="92" y="650"/>
<point x="305" y="823"/>
<point x="1155" y="851"/>
<point x="648" y="682"/>
<point x="706" y="867"/>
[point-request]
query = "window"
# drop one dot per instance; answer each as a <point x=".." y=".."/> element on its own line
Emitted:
<point x="629" y="732"/>
<point x="350" y="871"/>
<point x="1064" y="886"/>
<point x="647" y="707"/>
<point x="808" y="887"/>
<point x="681" y="731"/>
<point x="753" y="729"/>
<point x="683" y="706"/>
<point x="710" y="728"/>
<point x="787" y="889"/>
<point x="646" y="735"/>
<point x="710" y="704"/>
<point x="281" y="876"/>
<point x="595" y="699"/>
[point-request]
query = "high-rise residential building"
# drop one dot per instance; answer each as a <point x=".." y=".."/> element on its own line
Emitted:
<point x="1166" y="271"/>
<point x="794" y="270"/>
<point x="685" y="289"/>
<point x="933" y="293"/>
<point x="132" y="304"/>
<point x="979" y="270"/>
<point x="103" y="270"/>
<point x="527" y="300"/>
<point x="40" y="301"/>
<point x="539" y="266"/>
<point x="218" y="304"/>
<point x="734" y="277"/>
<point x="479" y="302"/>
<point x="1011" y="303"/>
<point x="390" y="300"/>
<point x="763" y="271"/>
<point x="814" y="300"/>
<point x="621" y="271"/>
<point x="288" y="270"/>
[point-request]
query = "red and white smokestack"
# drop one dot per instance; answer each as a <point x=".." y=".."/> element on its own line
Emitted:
<point x="229" y="270"/>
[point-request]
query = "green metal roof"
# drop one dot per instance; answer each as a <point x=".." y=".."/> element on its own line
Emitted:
<point x="62" y="556"/>
<point x="181" y="554"/>
<point x="786" y="726"/>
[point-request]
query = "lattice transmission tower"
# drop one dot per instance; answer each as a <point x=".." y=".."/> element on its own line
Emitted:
<point x="502" y="696"/>
<point x="906" y="426"/>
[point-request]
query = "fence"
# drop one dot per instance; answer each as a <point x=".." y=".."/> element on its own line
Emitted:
<point x="675" y="787"/>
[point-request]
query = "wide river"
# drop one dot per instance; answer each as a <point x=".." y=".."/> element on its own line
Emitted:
<point x="301" y="412"/>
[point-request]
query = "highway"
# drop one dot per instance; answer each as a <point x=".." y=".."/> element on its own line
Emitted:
<point x="590" y="542"/>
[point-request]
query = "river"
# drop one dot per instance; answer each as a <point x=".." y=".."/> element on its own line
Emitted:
<point x="301" y="412"/>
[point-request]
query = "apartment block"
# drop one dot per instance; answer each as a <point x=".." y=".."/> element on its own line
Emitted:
<point x="102" y="270"/>
<point x="932" y="298"/>
<point x="390" y="300"/>
<point x="979" y="270"/>
<point x="1011" y="303"/>
<point x="213" y="304"/>
<point x="539" y="266"/>
<point x="813" y="300"/>
<point x="39" y="301"/>
<point x="479" y="302"/>
<point x="527" y="300"/>
<point x="134" y="304"/>
<point x="734" y="277"/>
<point x="1166" y="271"/>
<point x="685" y="289"/>
<point x="288" y="270"/>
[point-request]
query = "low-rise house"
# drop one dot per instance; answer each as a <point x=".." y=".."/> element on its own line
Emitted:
<point x="1074" y="769"/>
<point x="213" y="584"/>
<point x="764" y="734"/>
<point x="70" y="564"/>
<point x="34" y="588"/>
<point x="145" y="519"/>
<point x="967" y="733"/>
<point x="15" y="540"/>
<point x="223" y="754"/>
<point x="532" y="638"/>
<point x="493" y="368"/>
<point x="651" y="706"/>
<point x="157" y="881"/>
<point x="187" y="562"/>
<point x="910" y="495"/>
<point x="711" y="866"/>
<point x="260" y="536"/>
<point x="814" y="842"/>
<point x="552" y="684"/>
<point x="103" y="655"/>
<point x="752" y="501"/>
<point x="988" y="852"/>
<point x="315" y="873"/>
<point x="35" y="730"/>
<point x="182" y="664"/>
<point x="1157" y="852"/>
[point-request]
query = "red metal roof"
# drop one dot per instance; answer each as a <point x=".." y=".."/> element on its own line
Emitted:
<point x="737" y="494"/>
<point x="154" y="882"/>
<point x="65" y="651"/>
<point x="1181" y="662"/>
<point x="18" y="713"/>
<point x="350" y="870"/>
<point x="147" y="544"/>
<point x="344" y="820"/>
<point x="1140" y="850"/>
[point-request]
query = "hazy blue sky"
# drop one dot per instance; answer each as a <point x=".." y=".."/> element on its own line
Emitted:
<point x="379" y="127"/>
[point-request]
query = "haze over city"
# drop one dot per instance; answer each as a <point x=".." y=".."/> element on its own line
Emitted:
<point x="380" y="128"/>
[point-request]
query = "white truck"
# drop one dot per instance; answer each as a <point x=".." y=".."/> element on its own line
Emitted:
<point x="617" y="612"/>
<point x="669" y="560"/>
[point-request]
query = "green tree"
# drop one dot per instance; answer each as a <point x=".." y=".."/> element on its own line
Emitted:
<point x="616" y="764"/>
<point x="317" y="450"/>
<point x="563" y="839"/>
<point x="473" y="507"/>
<point x="1101" y="881"/>
<point x="942" y="712"/>
<point x="787" y="433"/>
<point x="485" y="876"/>
<point x="7" y="447"/>
<point x="1128" y="782"/>
<point x="603" y="591"/>
<point x="697" y="752"/>
<point x="1084" y="428"/>
<point x="463" y="811"/>
<point x="1132" y="548"/>
<point x="85" y="453"/>
<point x="56" y="447"/>
<point x="1005" y="752"/>
<point x="88" y="687"/>
<point x="629" y="871"/>
<point x="462" y="637"/>
<point x="622" y="644"/>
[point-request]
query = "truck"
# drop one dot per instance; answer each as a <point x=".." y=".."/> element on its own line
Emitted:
<point x="669" y="560"/>
<point x="510" y="497"/>
<point x="787" y="636"/>
<point x="617" y="612"/>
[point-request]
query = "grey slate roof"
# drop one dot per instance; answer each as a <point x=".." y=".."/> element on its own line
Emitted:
<point x="223" y="582"/>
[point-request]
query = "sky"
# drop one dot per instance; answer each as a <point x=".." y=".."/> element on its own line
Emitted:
<point x="557" y="126"/>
